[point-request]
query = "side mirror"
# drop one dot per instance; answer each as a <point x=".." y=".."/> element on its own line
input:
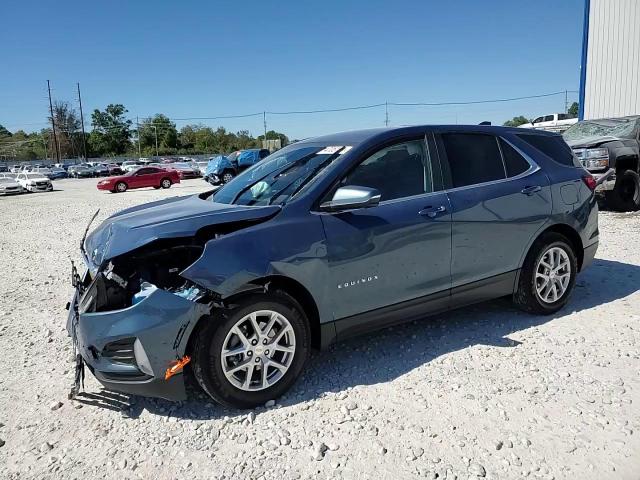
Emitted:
<point x="350" y="197"/>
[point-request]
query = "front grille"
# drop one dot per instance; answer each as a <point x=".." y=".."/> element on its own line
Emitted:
<point x="120" y="351"/>
<point x="42" y="184"/>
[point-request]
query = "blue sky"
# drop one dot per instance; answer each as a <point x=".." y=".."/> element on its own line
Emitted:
<point x="203" y="59"/>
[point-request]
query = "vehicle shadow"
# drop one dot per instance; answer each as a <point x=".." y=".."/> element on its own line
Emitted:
<point x="365" y="360"/>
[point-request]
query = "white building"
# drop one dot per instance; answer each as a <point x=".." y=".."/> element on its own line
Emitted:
<point x="610" y="73"/>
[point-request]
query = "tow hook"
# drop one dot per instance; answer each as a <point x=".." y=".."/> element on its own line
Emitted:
<point x="176" y="366"/>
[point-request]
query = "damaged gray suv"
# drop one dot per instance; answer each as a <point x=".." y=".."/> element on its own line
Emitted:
<point x="324" y="239"/>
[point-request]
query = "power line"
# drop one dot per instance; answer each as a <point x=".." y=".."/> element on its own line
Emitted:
<point x="264" y="113"/>
<point x="475" y="102"/>
<point x="326" y="110"/>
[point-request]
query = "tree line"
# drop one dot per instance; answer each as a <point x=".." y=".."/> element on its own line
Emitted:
<point x="113" y="134"/>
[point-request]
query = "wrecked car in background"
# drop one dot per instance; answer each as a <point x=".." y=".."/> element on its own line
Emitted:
<point x="324" y="239"/>
<point x="611" y="147"/>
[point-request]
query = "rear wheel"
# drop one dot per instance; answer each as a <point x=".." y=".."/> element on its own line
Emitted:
<point x="165" y="183"/>
<point x="625" y="196"/>
<point x="121" y="187"/>
<point x="547" y="276"/>
<point x="254" y="352"/>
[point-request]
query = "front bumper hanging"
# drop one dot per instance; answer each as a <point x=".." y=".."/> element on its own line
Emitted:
<point x="130" y="350"/>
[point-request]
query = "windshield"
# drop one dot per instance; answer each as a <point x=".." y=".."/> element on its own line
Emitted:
<point x="279" y="176"/>
<point x="34" y="176"/>
<point x="6" y="180"/>
<point x="619" y="127"/>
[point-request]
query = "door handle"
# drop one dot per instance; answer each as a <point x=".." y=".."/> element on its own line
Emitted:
<point x="531" y="190"/>
<point x="432" y="212"/>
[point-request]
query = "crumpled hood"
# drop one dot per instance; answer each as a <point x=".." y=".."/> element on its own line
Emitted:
<point x="170" y="218"/>
<point x="594" y="141"/>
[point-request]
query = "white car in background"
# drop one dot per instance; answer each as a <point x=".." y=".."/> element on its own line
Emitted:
<point x="130" y="166"/>
<point x="34" y="182"/>
<point x="555" y="122"/>
<point x="8" y="186"/>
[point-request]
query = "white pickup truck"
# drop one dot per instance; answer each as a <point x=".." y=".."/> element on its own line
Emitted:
<point x="555" y="122"/>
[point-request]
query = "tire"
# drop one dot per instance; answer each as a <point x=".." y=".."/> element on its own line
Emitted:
<point x="527" y="296"/>
<point x="121" y="187"/>
<point x="165" y="183"/>
<point x="625" y="196"/>
<point x="227" y="176"/>
<point x="216" y="334"/>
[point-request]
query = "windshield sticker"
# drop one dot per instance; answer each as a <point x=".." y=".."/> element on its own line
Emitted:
<point x="330" y="150"/>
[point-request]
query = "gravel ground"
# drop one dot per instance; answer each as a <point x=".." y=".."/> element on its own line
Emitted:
<point x="486" y="391"/>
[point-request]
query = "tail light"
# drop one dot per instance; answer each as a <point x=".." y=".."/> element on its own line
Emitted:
<point x="590" y="182"/>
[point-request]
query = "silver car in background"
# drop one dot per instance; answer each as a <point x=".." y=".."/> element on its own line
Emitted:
<point x="8" y="186"/>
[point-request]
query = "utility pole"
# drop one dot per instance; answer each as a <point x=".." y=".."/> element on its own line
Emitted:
<point x="566" y="101"/>
<point x="386" y="113"/>
<point x="155" y="129"/>
<point x="53" y="124"/>
<point x="264" y="120"/>
<point x="138" y="125"/>
<point x="84" y="141"/>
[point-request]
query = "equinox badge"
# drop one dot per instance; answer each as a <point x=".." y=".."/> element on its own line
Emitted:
<point x="359" y="281"/>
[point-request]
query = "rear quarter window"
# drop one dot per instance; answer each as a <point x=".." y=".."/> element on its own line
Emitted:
<point x="552" y="146"/>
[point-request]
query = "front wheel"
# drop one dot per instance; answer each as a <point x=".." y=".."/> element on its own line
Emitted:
<point x="547" y="276"/>
<point x="121" y="187"/>
<point x="227" y="176"/>
<point x="625" y="196"/>
<point x="254" y="352"/>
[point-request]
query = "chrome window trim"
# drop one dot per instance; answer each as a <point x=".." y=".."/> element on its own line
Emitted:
<point x="533" y="168"/>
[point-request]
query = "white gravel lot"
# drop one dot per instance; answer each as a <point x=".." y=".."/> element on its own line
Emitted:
<point x="482" y="392"/>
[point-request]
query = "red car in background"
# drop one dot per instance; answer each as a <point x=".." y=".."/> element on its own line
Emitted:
<point x="143" y="177"/>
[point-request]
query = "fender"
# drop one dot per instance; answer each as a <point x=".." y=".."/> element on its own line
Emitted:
<point x="293" y="248"/>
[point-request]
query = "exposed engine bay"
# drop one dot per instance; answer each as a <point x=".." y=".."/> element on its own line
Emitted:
<point x="127" y="278"/>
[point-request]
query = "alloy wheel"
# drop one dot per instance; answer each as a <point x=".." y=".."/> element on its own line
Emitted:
<point x="258" y="350"/>
<point x="553" y="275"/>
<point x="227" y="177"/>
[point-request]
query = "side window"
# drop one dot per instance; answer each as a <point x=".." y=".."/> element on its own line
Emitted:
<point x="552" y="146"/>
<point x="398" y="171"/>
<point x="143" y="171"/>
<point x="537" y="120"/>
<point x="473" y="158"/>
<point x="548" y="118"/>
<point x="513" y="161"/>
<point x="264" y="154"/>
<point x="563" y="116"/>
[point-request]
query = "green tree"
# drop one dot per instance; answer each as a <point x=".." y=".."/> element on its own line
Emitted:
<point x="166" y="132"/>
<point x="516" y="121"/>
<point x="67" y="130"/>
<point x="4" y="132"/>
<point x="273" y="135"/>
<point x="573" y="110"/>
<point x="111" y="131"/>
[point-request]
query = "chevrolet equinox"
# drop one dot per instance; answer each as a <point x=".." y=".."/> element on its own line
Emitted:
<point x="324" y="239"/>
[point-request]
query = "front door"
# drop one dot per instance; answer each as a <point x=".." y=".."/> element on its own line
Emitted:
<point x="398" y="251"/>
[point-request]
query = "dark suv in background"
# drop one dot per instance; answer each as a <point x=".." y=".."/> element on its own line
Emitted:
<point x="324" y="239"/>
<point x="611" y="146"/>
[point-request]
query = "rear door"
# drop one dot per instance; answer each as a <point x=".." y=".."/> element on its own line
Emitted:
<point x="397" y="251"/>
<point x="499" y="200"/>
